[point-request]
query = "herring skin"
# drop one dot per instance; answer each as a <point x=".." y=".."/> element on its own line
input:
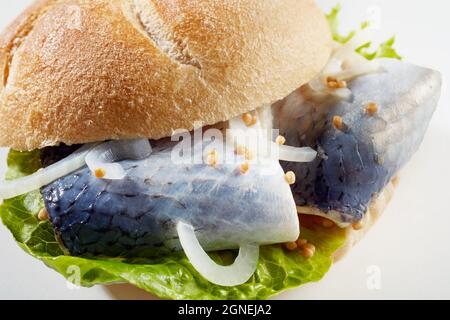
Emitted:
<point x="358" y="160"/>
<point x="137" y="216"/>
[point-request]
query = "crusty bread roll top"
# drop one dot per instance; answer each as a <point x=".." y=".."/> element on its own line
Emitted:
<point x="78" y="71"/>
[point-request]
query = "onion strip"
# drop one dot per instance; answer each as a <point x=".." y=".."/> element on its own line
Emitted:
<point x="258" y="134"/>
<point x="100" y="160"/>
<point x="228" y="276"/>
<point x="294" y="154"/>
<point x="43" y="177"/>
<point x="345" y="65"/>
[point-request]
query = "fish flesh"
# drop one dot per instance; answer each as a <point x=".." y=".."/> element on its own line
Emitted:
<point x="137" y="216"/>
<point x="361" y="149"/>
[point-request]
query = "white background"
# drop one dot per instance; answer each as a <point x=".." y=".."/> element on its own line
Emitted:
<point x="410" y="244"/>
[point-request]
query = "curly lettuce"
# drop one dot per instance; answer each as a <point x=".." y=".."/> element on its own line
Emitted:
<point x="385" y="49"/>
<point x="167" y="277"/>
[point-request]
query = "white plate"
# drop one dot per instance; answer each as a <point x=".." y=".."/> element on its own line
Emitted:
<point x="407" y="250"/>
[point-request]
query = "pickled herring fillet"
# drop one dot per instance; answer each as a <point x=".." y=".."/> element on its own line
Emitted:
<point x="137" y="216"/>
<point x="362" y="143"/>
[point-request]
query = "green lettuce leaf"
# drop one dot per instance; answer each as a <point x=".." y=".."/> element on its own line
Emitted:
<point x="168" y="277"/>
<point x="384" y="50"/>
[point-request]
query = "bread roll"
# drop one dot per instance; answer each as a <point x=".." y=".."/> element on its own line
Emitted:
<point x="81" y="70"/>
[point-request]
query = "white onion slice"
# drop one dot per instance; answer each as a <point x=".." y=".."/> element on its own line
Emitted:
<point x="43" y="177"/>
<point x="103" y="156"/>
<point x="357" y="71"/>
<point x="334" y="65"/>
<point x="345" y="65"/>
<point x="282" y="152"/>
<point x="294" y="154"/>
<point x="343" y="94"/>
<point x="360" y="38"/>
<point x="228" y="276"/>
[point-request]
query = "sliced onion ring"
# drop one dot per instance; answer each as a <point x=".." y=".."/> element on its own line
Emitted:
<point x="228" y="276"/>
<point x="357" y="71"/>
<point x="103" y="156"/>
<point x="43" y="177"/>
<point x="343" y="94"/>
<point x="294" y="154"/>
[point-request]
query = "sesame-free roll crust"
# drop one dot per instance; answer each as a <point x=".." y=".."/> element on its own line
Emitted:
<point x="80" y="71"/>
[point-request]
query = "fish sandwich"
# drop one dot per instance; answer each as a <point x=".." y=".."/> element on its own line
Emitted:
<point x="93" y="92"/>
